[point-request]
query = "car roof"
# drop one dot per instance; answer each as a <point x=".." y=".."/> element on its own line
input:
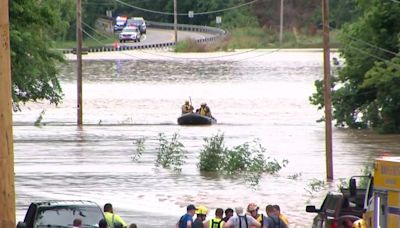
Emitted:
<point x="52" y="203"/>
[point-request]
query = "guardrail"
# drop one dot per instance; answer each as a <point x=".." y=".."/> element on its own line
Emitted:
<point x="217" y="32"/>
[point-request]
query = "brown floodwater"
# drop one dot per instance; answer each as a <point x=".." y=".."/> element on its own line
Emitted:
<point x="254" y="95"/>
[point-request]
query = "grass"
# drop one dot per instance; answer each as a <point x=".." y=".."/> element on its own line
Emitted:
<point x="244" y="38"/>
<point x="87" y="42"/>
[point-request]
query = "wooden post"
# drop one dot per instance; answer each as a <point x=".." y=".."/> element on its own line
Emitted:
<point x="176" y="21"/>
<point x="281" y="24"/>
<point x="79" y="61"/>
<point x="327" y="92"/>
<point x="7" y="189"/>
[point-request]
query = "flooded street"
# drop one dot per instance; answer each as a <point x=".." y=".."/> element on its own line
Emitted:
<point x="254" y="95"/>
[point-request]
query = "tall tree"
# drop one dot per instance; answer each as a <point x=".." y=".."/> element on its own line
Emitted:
<point x="366" y="92"/>
<point x="33" y="62"/>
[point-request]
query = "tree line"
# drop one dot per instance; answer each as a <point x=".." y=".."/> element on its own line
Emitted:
<point x="365" y="91"/>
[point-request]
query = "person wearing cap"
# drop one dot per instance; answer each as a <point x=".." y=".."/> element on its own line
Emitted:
<point x="216" y="222"/>
<point x="252" y="209"/>
<point x="201" y="212"/>
<point x="186" y="221"/>
<point x="204" y="110"/>
<point x="187" y="108"/>
<point x="241" y="220"/>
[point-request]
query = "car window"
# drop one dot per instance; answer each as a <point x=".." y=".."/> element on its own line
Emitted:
<point x="64" y="216"/>
<point x="130" y="30"/>
<point x="332" y="204"/>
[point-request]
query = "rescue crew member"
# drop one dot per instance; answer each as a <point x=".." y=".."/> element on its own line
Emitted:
<point x="113" y="220"/>
<point x="186" y="221"/>
<point x="204" y="110"/>
<point x="216" y="222"/>
<point x="187" y="108"/>
<point x="201" y="213"/>
<point x="252" y="209"/>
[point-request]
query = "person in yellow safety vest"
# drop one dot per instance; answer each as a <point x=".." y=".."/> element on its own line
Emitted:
<point x="187" y="108"/>
<point x="252" y="209"/>
<point x="204" y="110"/>
<point x="113" y="220"/>
<point x="280" y="215"/>
<point x="216" y="222"/>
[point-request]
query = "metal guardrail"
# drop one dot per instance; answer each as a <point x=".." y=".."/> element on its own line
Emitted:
<point x="217" y="32"/>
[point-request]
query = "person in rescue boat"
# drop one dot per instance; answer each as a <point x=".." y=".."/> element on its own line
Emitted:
<point x="187" y="108"/>
<point x="204" y="110"/>
<point x="216" y="222"/>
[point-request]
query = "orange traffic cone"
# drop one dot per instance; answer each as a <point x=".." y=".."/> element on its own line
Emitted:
<point x="116" y="44"/>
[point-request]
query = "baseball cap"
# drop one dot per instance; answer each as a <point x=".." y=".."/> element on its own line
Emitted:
<point x="190" y="207"/>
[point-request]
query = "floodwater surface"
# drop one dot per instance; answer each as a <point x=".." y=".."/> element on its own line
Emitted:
<point x="260" y="95"/>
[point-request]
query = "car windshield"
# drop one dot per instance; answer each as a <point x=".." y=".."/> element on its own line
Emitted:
<point x="64" y="216"/>
<point x="137" y="22"/>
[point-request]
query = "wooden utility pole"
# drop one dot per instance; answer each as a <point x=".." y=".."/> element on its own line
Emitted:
<point x="79" y="60"/>
<point x="281" y="24"/>
<point x="7" y="189"/>
<point x="327" y="91"/>
<point x="176" y="21"/>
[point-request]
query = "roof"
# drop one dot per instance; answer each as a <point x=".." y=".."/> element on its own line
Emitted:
<point x="66" y="203"/>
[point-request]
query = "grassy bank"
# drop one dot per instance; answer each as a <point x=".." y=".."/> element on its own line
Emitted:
<point x="242" y="38"/>
<point x="87" y="42"/>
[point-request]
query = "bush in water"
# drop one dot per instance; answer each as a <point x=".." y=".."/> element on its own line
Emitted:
<point x="140" y="148"/>
<point x="215" y="156"/>
<point x="171" y="154"/>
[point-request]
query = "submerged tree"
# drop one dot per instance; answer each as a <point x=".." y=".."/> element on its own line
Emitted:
<point x="366" y="92"/>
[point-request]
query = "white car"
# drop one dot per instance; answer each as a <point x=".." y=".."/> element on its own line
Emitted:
<point x="129" y="33"/>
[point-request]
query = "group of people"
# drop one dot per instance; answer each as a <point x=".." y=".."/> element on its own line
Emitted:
<point x="203" y="110"/>
<point x="111" y="219"/>
<point x="251" y="219"/>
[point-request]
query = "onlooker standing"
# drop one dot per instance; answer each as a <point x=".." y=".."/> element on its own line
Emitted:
<point x="186" y="221"/>
<point x="113" y="220"/>
<point x="77" y="223"/>
<point x="280" y="215"/>
<point x="228" y="214"/>
<point x="241" y="220"/>
<point x="273" y="221"/>
<point x="103" y="223"/>
<point x="252" y="209"/>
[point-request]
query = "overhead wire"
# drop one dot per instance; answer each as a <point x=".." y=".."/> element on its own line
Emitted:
<point x="185" y="14"/>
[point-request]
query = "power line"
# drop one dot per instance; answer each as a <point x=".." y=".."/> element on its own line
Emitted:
<point x="185" y="14"/>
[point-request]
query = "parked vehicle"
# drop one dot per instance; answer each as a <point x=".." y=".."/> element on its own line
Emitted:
<point x="138" y="22"/>
<point x="129" y="34"/>
<point x="336" y="211"/>
<point x="381" y="200"/>
<point x="120" y="22"/>
<point x="61" y="213"/>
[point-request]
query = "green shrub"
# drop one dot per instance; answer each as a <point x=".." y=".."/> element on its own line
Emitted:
<point x="171" y="154"/>
<point x="240" y="160"/>
<point x="140" y="148"/>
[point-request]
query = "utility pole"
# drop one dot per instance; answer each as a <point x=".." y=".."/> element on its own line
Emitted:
<point x="7" y="188"/>
<point x="327" y="91"/>
<point x="79" y="60"/>
<point x="281" y="24"/>
<point x="176" y="21"/>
